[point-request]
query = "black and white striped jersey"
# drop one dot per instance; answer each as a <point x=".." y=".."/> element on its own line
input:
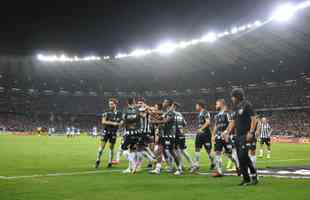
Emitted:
<point x="265" y="130"/>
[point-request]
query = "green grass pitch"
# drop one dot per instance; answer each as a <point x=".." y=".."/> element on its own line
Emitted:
<point x="30" y="155"/>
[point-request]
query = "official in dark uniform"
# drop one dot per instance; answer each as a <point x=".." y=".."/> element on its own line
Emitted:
<point x="243" y="121"/>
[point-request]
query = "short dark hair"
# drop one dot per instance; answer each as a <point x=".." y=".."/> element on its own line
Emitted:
<point x="201" y="103"/>
<point x="141" y="99"/>
<point x="114" y="100"/>
<point x="170" y="101"/>
<point x="176" y="104"/>
<point x="131" y="100"/>
<point x="159" y="105"/>
<point x="238" y="93"/>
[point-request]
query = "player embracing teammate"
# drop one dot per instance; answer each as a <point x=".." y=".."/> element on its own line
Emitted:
<point x="158" y="134"/>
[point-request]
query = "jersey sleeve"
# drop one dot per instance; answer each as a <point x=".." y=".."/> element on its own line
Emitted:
<point x="105" y="114"/>
<point x="207" y="116"/>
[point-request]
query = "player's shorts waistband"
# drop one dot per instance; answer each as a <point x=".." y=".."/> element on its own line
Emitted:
<point x="132" y="132"/>
<point x="109" y="131"/>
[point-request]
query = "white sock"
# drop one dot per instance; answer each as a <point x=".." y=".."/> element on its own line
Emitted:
<point x="169" y="159"/>
<point x="235" y="157"/>
<point x="126" y="154"/>
<point x="187" y="157"/>
<point x="119" y="154"/>
<point x="158" y="166"/>
<point x="197" y="158"/>
<point x="110" y="155"/>
<point x="218" y="163"/>
<point x="179" y="154"/>
<point x="131" y="158"/>
<point x="253" y="158"/>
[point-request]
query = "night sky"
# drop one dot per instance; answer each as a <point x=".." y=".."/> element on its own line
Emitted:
<point x="106" y="27"/>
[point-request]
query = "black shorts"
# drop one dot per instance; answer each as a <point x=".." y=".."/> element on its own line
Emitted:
<point x="222" y="144"/>
<point x="167" y="142"/>
<point x="203" y="140"/>
<point x="252" y="145"/>
<point x="130" y="140"/>
<point x="148" y="138"/>
<point x="180" y="142"/>
<point x="265" y="141"/>
<point x="107" y="136"/>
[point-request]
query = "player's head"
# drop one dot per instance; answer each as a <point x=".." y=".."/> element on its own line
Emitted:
<point x="237" y="95"/>
<point x="176" y="105"/>
<point x="131" y="101"/>
<point x="220" y="104"/>
<point x="200" y="105"/>
<point x="264" y="120"/>
<point x="140" y="101"/>
<point x="113" y="103"/>
<point x="167" y="103"/>
<point x="158" y="106"/>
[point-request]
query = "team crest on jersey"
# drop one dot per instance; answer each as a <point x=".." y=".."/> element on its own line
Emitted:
<point x="240" y="111"/>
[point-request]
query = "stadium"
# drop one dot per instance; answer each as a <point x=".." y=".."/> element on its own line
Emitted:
<point x="170" y="121"/>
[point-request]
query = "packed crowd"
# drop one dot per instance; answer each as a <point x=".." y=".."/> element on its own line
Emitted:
<point x="294" y="122"/>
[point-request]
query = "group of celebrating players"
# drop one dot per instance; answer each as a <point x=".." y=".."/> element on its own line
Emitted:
<point x="157" y="133"/>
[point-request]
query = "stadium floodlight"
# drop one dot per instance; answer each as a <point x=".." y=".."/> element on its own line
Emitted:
<point x="303" y="5"/>
<point x="195" y="41"/>
<point x="106" y="57"/>
<point x="139" y="52"/>
<point x="220" y="35"/>
<point x="234" y="30"/>
<point x="257" y="23"/>
<point x="183" y="44"/>
<point x="166" y="48"/>
<point x="226" y="33"/>
<point x="121" y="55"/>
<point x="210" y="37"/>
<point x="242" y="28"/>
<point x="284" y="12"/>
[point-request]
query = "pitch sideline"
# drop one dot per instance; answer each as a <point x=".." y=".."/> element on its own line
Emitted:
<point x="119" y="170"/>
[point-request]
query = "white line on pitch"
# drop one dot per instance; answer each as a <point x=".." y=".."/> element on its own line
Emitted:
<point x="60" y="174"/>
<point x="109" y="171"/>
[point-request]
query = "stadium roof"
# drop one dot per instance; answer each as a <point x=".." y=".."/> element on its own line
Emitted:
<point x="275" y="51"/>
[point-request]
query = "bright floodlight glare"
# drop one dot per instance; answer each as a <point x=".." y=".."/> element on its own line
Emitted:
<point x="184" y="44"/>
<point x="210" y="37"/>
<point x="121" y="55"/>
<point x="303" y="5"/>
<point x="257" y="23"/>
<point x="139" y="52"/>
<point x="234" y="30"/>
<point x="284" y="12"/>
<point x="166" y="48"/>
